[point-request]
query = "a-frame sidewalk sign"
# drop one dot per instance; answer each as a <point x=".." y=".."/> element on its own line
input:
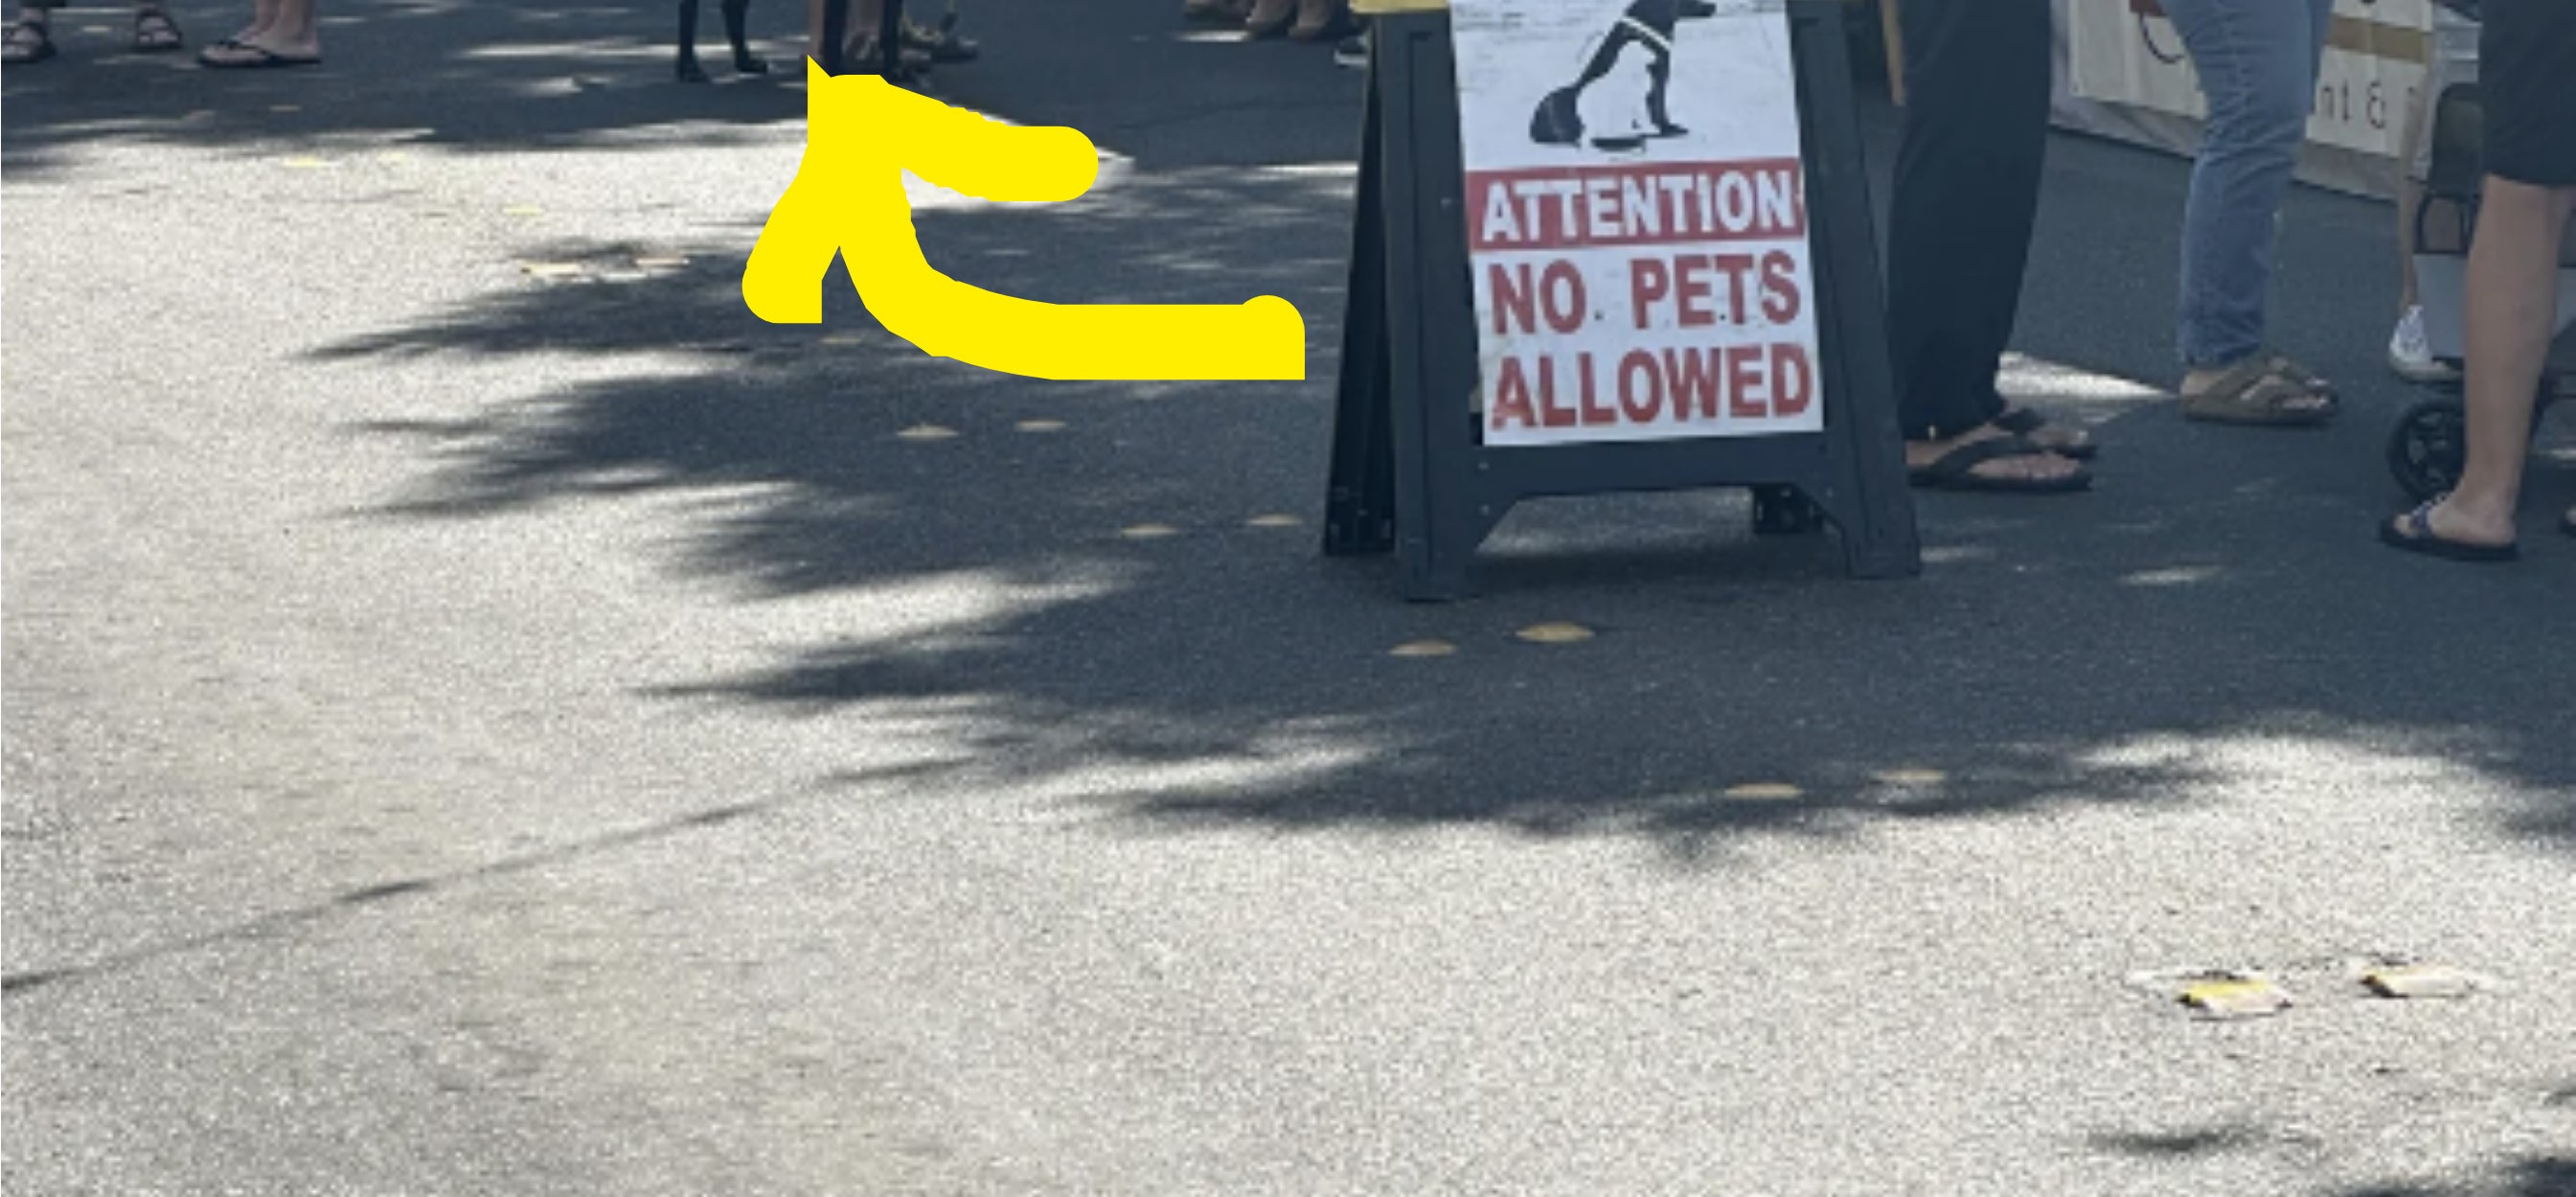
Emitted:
<point x="1429" y="453"/>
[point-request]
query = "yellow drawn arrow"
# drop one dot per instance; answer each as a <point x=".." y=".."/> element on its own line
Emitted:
<point x="862" y="133"/>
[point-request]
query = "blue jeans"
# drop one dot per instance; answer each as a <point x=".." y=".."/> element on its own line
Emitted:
<point x="2257" y="61"/>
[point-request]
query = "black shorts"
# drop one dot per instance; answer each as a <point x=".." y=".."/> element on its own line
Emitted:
<point x="2527" y="87"/>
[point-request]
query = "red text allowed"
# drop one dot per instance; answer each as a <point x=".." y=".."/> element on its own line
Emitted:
<point x="1692" y="385"/>
<point x="1573" y="207"/>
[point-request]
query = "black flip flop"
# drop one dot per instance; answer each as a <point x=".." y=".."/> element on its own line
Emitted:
<point x="2414" y="533"/>
<point x="42" y="49"/>
<point x="2023" y="421"/>
<point x="267" y="59"/>
<point x="178" y="40"/>
<point x="1956" y="470"/>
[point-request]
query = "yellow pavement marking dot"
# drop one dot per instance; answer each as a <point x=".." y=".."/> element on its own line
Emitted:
<point x="551" y="269"/>
<point x="1555" y="633"/>
<point x="1148" y="531"/>
<point x="2236" y="997"/>
<point x="843" y="339"/>
<point x="304" y="162"/>
<point x="1277" y="519"/>
<point x="661" y="262"/>
<point x="927" y="432"/>
<point x="1040" y="425"/>
<point x="1422" y="648"/>
<point x="1764" y="791"/>
<point x="286" y="107"/>
<point x="523" y="210"/>
<point x="1912" y="777"/>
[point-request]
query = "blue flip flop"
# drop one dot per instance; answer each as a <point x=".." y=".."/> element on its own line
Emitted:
<point x="2414" y="533"/>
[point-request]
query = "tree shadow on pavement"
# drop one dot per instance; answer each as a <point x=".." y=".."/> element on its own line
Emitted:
<point x="1093" y="609"/>
<point x="2533" y="1176"/>
<point x="2216" y="612"/>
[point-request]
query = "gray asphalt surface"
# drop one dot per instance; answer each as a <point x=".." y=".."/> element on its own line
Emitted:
<point x="475" y="730"/>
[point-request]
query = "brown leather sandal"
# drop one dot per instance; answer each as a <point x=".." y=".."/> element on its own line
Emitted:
<point x="2261" y="390"/>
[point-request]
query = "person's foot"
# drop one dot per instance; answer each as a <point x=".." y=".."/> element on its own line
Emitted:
<point x="1229" y="12"/>
<point x="29" y="40"/>
<point x="154" y="31"/>
<point x="2036" y="428"/>
<point x="2263" y="388"/>
<point x="1269" y="18"/>
<point x="2032" y="468"/>
<point x="1323" y="21"/>
<point x="2445" y="527"/>
<point x="940" y="42"/>
<point x="2460" y="522"/>
<point x="1352" y="51"/>
<point x="2411" y="355"/>
<point x="245" y="53"/>
<point x="862" y="56"/>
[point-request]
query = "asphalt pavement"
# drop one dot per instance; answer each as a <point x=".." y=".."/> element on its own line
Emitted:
<point x="484" y="714"/>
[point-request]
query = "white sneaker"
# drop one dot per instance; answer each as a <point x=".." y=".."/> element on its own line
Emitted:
<point x="2410" y="356"/>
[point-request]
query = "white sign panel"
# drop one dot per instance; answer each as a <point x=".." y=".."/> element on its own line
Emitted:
<point x="1636" y="220"/>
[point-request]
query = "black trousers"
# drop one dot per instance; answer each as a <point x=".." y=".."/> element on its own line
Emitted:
<point x="1967" y="190"/>
<point x="2527" y="55"/>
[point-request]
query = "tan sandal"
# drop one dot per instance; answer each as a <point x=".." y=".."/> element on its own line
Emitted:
<point x="2288" y="367"/>
<point x="2264" y="390"/>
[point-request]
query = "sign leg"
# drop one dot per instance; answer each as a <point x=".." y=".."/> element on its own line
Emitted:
<point x="1866" y="496"/>
<point x="1431" y="310"/>
<point x="1359" y="511"/>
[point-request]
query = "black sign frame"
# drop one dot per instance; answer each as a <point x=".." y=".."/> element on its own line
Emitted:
<point x="1409" y="473"/>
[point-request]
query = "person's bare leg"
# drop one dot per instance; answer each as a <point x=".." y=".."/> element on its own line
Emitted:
<point x="263" y="13"/>
<point x="865" y="16"/>
<point x="295" y="30"/>
<point x="2410" y="195"/>
<point x="2512" y="302"/>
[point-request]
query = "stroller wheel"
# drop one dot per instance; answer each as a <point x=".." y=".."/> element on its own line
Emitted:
<point x="2428" y="447"/>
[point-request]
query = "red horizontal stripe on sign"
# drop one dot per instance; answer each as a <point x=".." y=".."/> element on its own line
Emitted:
<point x="1644" y="204"/>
